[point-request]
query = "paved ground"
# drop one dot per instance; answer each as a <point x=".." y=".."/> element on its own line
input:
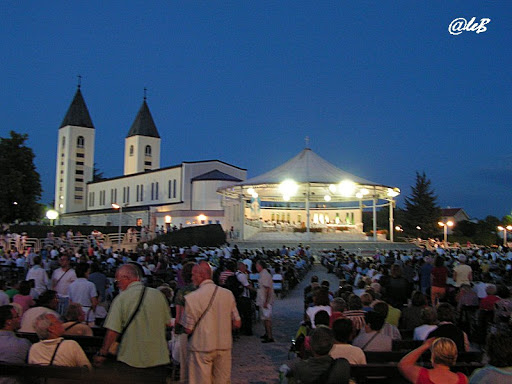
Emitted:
<point x="257" y="363"/>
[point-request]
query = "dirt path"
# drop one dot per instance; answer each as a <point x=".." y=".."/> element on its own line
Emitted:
<point x="258" y="363"/>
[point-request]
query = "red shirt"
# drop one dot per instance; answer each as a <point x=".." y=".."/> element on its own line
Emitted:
<point x="439" y="275"/>
<point x="487" y="303"/>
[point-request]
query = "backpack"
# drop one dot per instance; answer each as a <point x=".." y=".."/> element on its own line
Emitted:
<point x="234" y="286"/>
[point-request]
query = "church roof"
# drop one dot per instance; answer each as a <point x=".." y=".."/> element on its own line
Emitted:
<point x="215" y="175"/>
<point x="143" y="125"/>
<point x="305" y="167"/>
<point x="78" y="114"/>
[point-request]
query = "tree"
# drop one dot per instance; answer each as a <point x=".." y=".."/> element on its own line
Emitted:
<point x="421" y="209"/>
<point x="97" y="175"/>
<point x="21" y="183"/>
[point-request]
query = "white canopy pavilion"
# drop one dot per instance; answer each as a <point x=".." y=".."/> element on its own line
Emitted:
<point x="305" y="194"/>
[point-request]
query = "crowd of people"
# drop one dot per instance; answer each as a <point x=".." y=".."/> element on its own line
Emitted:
<point x="449" y="299"/>
<point x="155" y="304"/>
<point x="161" y="303"/>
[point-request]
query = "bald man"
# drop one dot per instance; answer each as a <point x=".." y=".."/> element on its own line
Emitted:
<point x="210" y="316"/>
<point x="143" y="348"/>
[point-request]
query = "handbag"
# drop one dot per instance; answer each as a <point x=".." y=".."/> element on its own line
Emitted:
<point x="114" y="347"/>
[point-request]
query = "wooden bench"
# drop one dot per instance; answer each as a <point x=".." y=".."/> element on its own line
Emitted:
<point x="72" y="375"/>
<point x="90" y="344"/>
<point x="389" y="373"/>
<point x="396" y="356"/>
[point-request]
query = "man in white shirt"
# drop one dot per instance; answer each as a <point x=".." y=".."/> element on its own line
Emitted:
<point x="83" y="292"/>
<point x="61" y="280"/>
<point x="40" y="277"/>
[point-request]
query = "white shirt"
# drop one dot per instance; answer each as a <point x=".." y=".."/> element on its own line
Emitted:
<point x="64" y="280"/>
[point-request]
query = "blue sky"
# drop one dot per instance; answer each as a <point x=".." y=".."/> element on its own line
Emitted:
<point x="381" y="88"/>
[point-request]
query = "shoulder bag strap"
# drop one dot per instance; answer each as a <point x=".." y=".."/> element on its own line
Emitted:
<point x="369" y="341"/>
<point x="207" y="308"/>
<point x="60" y="278"/>
<point x="71" y="325"/>
<point x="133" y="315"/>
<point x="55" y="352"/>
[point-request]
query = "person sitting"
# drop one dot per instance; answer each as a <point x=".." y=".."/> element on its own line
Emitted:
<point x="338" y="305"/>
<point x="387" y="329"/>
<point x="443" y="356"/>
<point x="411" y="315"/>
<point x="13" y="349"/>
<point x="342" y="330"/>
<point x="24" y="298"/>
<point x="321" y="368"/>
<point x="75" y="318"/>
<point x="355" y="312"/>
<point x="429" y="319"/>
<point x="47" y="303"/>
<point x="371" y="339"/>
<point x="499" y="367"/>
<point x="447" y="328"/>
<point x="53" y="349"/>
<point x="320" y="303"/>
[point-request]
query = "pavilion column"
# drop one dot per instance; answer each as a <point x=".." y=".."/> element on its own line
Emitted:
<point x="242" y="216"/>
<point x="391" y="221"/>
<point x="307" y="214"/>
<point x="375" y="219"/>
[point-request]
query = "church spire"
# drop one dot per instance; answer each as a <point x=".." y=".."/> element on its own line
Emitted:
<point x="78" y="114"/>
<point x="143" y="125"/>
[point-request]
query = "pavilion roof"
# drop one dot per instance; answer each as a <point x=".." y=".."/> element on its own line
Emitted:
<point x="306" y="166"/>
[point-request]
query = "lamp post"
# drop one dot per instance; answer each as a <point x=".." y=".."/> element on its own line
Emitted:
<point x="505" y="229"/>
<point x="51" y="215"/>
<point x="120" y="207"/>
<point x="445" y="226"/>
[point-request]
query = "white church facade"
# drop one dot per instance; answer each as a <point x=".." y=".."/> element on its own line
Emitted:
<point x="181" y="195"/>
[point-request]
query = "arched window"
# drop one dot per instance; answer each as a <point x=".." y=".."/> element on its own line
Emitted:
<point x="63" y="141"/>
<point x="131" y="150"/>
<point x="148" y="150"/>
<point x="80" y="142"/>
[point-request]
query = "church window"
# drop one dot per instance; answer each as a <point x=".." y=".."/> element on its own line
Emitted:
<point x="170" y="189"/>
<point x="79" y="172"/>
<point x="80" y="155"/>
<point x="131" y="150"/>
<point x="141" y="192"/>
<point x="152" y="191"/>
<point x="156" y="191"/>
<point x="148" y="150"/>
<point x="80" y="142"/>
<point x="63" y="141"/>
<point x="174" y="188"/>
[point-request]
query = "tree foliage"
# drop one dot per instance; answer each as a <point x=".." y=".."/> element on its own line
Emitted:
<point x="21" y="183"/>
<point x="421" y="209"/>
<point x="97" y="175"/>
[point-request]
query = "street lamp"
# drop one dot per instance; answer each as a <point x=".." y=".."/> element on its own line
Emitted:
<point x="505" y="229"/>
<point x="120" y="207"/>
<point x="51" y="215"/>
<point x="445" y="226"/>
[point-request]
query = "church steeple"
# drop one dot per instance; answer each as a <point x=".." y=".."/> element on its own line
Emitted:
<point x="78" y="114"/>
<point x="143" y="124"/>
<point x="142" y="144"/>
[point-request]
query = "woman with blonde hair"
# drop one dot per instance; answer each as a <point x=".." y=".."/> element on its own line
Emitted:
<point x="443" y="356"/>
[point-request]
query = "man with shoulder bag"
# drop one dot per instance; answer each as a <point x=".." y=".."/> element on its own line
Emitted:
<point x="137" y="320"/>
<point x="210" y="315"/>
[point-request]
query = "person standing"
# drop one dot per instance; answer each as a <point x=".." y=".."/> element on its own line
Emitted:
<point x="265" y="299"/>
<point x="83" y="292"/>
<point x="462" y="273"/>
<point x="210" y="315"/>
<point x="61" y="280"/>
<point x="143" y="349"/>
<point x="40" y="277"/>
<point x="244" y="302"/>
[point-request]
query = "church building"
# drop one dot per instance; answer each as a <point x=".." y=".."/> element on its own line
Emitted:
<point x="146" y="194"/>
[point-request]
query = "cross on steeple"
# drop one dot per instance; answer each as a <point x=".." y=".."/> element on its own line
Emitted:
<point x="307" y="142"/>
<point x="145" y="93"/>
<point x="79" y="81"/>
